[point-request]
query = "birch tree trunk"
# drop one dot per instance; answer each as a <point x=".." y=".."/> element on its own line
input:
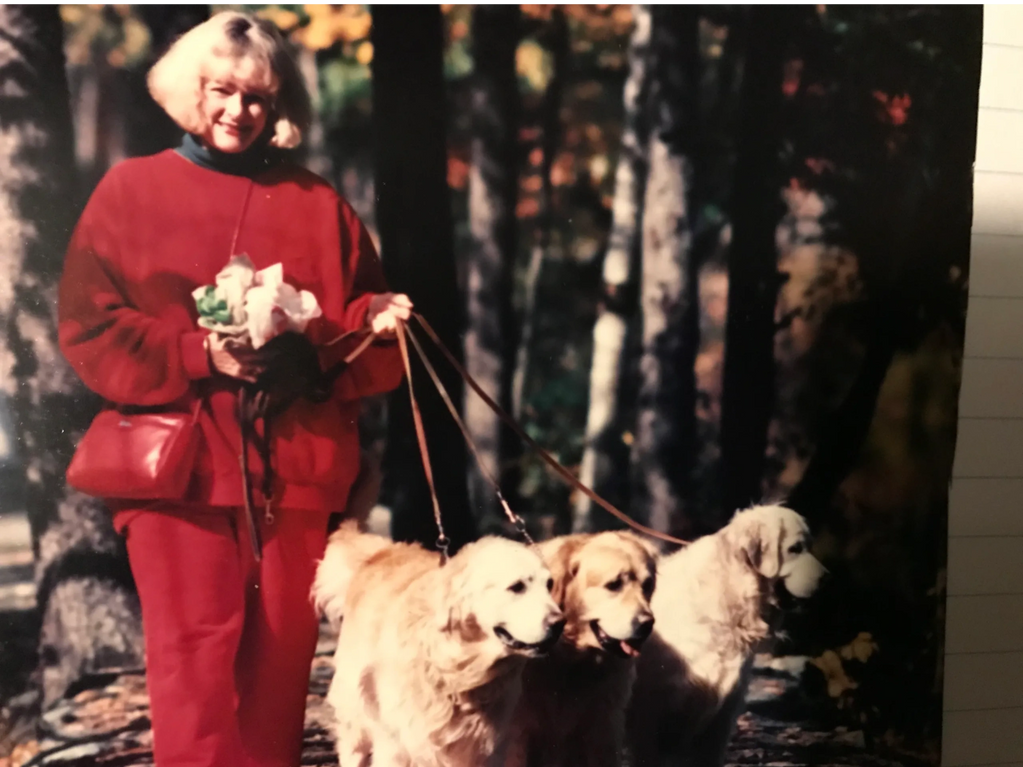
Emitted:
<point x="663" y="447"/>
<point x="493" y="188"/>
<point x="88" y="610"/>
<point x="605" y="457"/>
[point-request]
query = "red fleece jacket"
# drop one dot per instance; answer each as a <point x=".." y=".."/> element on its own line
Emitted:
<point x="158" y="227"/>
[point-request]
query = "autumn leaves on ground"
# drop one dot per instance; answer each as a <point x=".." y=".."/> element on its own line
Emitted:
<point x="704" y="254"/>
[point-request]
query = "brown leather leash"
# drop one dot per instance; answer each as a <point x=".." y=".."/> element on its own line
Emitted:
<point x="518" y="522"/>
<point x="551" y="461"/>
<point x="249" y="408"/>
<point x="443" y="542"/>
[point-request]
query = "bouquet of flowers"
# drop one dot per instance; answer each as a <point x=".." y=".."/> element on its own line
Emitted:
<point x="253" y="306"/>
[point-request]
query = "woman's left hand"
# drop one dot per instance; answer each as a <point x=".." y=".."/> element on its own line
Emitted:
<point x="386" y="310"/>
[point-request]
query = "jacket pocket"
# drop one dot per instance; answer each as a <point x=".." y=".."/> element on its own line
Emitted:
<point x="316" y="444"/>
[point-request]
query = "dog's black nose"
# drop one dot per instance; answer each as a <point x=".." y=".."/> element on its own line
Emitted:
<point x="555" y="629"/>
<point x="644" y="629"/>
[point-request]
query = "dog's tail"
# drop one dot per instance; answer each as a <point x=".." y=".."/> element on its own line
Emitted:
<point x="348" y="549"/>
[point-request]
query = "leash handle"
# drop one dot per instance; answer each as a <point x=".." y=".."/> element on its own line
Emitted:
<point x="551" y="461"/>
<point x="515" y="519"/>
<point x="350" y="357"/>
<point x="443" y="542"/>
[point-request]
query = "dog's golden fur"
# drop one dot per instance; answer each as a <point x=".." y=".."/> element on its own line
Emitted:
<point x="713" y="605"/>
<point x="429" y="658"/>
<point x="573" y="703"/>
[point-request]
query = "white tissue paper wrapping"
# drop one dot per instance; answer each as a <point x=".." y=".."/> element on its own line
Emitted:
<point x="261" y="304"/>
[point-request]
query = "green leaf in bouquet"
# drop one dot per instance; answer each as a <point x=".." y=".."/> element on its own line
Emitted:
<point x="222" y="314"/>
<point x="213" y="308"/>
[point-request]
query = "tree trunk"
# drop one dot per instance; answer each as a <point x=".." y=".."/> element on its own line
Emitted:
<point x="150" y="129"/>
<point x="88" y="611"/>
<point x="414" y="219"/>
<point x="753" y="278"/>
<point x="493" y="190"/>
<point x="663" y="447"/>
<point x="605" y="457"/>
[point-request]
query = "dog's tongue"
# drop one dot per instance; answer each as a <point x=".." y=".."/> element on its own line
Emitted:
<point x="628" y="649"/>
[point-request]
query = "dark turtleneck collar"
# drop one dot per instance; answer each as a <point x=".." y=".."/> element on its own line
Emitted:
<point x="257" y="158"/>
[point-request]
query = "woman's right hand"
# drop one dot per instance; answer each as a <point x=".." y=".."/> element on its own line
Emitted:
<point x="233" y="359"/>
<point x="386" y="311"/>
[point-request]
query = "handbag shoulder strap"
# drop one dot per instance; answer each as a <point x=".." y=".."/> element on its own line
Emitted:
<point x="241" y="217"/>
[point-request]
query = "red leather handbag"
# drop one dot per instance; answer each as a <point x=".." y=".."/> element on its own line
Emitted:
<point x="147" y="455"/>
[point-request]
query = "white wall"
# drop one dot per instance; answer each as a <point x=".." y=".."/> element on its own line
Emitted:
<point x="984" y="661"/>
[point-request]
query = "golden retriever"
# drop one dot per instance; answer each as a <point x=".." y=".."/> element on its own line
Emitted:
<point x="429" y="658"/>
<point x="713" y="606"/>
<point x="572" y="709"/>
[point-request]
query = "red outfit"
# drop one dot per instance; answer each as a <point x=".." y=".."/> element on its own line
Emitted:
<point x="154" y="230"/>
<point x="228" y="641"/>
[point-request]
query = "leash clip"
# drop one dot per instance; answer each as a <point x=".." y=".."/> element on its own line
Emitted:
<point x="520" y="527"/>
<point x="443" y="544"/>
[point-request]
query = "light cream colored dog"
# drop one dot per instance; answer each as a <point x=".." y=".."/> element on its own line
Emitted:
<point x="429" y="658"/>
<point x="713" y="606"/>
<point x="572" y="709"/>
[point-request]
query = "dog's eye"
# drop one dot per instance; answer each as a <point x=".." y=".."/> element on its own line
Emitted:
<point x="550" y="585"/>
<point x="519" y="587"/>
<point x="615" y="585"/>
<point x="796" y="548"/>
<point x="648" y="587"/>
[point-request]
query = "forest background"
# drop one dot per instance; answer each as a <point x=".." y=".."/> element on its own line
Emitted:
<point x="706" y="255"/>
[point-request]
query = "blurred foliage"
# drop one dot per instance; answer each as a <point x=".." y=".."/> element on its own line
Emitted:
<point x="583" y="184"/>
<point x="113" y="34"/>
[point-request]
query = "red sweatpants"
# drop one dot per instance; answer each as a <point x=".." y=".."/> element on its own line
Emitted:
<point x="229" y="641"/>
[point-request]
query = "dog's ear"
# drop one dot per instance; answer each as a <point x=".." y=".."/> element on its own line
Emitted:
<point x="759" y="545"/>
<point x="561" y="555"/>
<point x="770" y="547"/>
<point x="456" y="617"/>
<point x="446" y="611"/>
<point x="650" y="550"/>
<point x="450" y="599"/>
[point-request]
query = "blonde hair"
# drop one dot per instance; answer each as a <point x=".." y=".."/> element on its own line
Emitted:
<point x="176" y="81"/>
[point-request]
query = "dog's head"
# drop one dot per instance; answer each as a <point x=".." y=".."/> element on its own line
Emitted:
<point x="775" y="542"/>
<point x="604" y="583"/>
<point x="500" y="592"/>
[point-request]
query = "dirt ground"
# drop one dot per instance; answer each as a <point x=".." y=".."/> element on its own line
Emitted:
<point x="109" y="725"/>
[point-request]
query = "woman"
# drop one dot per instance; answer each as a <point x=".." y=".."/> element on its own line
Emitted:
<point x="229" y="639"/>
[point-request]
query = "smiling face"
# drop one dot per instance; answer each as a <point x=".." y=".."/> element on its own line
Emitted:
<point x="775" y="541"/>
<point x="605" y="583"/>
<point x="504" y="596"/>
<point x="236" y="104"/>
